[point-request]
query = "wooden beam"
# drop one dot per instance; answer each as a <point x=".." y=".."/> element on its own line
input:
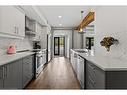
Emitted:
<point x="87" y="20"/>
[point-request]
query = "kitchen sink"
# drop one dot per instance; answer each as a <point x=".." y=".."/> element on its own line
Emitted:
<point x="81" y="50"/>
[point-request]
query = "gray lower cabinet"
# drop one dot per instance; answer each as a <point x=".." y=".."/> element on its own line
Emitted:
<point x="27" y="70"/>
<point x="17" y="74"/>
<point x="95" y="77"/>
<point x="1" y="78"/>
<point x="116" y="79"/>
<point x="13" y="75"/>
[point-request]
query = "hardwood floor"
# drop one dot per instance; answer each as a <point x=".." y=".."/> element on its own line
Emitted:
<point x="58" y="74"/>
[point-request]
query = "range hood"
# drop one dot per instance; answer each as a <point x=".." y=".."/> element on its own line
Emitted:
<point x="28" y="27"/>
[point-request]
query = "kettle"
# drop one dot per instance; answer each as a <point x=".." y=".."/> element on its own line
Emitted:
<point x="11" y="49"/>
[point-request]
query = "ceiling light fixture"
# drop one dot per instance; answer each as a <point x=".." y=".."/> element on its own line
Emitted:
<point x="60" y="24"/>
<point x="59" y="16"/>
<point x="81" y="28"/>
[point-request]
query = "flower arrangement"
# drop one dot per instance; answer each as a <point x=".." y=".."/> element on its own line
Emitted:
<point x="107" y="42"/>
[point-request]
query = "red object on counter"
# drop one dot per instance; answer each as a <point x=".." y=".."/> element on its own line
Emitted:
<point x="11" y="50"/>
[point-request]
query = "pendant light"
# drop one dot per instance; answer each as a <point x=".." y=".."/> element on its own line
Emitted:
<point x="81" y="28"/>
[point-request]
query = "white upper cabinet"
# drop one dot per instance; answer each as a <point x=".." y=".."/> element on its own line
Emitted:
<point x="37" y="28"/>
<point x="12" y="22"/>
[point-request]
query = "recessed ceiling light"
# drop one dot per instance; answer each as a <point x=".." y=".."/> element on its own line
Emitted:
<point x="59" y="16"/>
<point x="60" y="24"/>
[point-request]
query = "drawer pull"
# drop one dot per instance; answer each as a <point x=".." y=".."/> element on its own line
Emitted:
<point x="5" y="74"/>
<point x="90" y="85"/>
<point x="92" y="74"/>
<point x="92" y="67"/>
<point x="93" y="82"/>
<point x="2" y="73"/>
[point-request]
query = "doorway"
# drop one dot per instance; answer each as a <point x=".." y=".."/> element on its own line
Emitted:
<point x="89" y="43"/>
<point x="59" y="46"/>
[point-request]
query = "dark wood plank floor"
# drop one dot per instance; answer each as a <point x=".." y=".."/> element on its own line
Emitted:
<point x="58" y="74"/>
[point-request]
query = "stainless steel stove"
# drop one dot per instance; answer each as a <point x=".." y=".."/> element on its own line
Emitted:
<point x="40" y="60"/>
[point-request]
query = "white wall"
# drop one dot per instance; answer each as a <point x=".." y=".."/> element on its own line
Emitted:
<point x="44" y="37"/>
<point x="111" y="21"/>
<point x="77" y="40"/>
<point x="20" y="44"/>
<point x="68" y="35"/>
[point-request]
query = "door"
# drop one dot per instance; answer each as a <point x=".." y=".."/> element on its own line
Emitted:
<point x="89" y="42"/>
<point x="13" y="75"/>
<point x="62" y="46"/>
<point x="56" y="46"/>
<point x="59" y="46"/>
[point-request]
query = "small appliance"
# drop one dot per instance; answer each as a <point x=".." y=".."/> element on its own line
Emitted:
<point x="11" y="49"/>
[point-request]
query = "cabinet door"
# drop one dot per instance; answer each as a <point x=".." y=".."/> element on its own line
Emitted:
<point x="13" y="75"/>
<point x="44" y="37"/>
<point x="20" y="23"/>
<point x="27" y="70"/>
<point x="7" y="19"/>
<point x="36" y="29"/>
<point x="71" y="58"/>
<point x="95" y="77"/>
<point x="12" y="21"/>
<point x="100" y="78"/>
<point x="44" y="57"/>
<point x="1" y="77"/>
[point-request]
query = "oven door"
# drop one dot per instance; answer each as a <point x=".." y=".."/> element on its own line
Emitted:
<point x="39" y="61"/>
<point x="39" y="64"/>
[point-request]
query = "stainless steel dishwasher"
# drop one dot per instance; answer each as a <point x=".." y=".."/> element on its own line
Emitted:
<point x="81" y="71"/>
<point x="75" y="62"/>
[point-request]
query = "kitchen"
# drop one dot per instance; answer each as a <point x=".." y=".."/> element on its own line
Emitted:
<point x="93" y="47"/>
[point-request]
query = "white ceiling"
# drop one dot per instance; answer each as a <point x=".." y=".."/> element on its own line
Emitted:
<point x="71" y="15"/>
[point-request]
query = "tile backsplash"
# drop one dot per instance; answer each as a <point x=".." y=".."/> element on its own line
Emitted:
<point x="21" y="44"/>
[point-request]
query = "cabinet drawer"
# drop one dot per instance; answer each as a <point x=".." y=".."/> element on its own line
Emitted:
<point x="27" y="69"/>
<point x="91" y="71"/>
<point x="90" y="85"/>
<point x="28" y="59"/>
<point x="26" y="80"/>
<point x="95" y="76"/>
<point x="91" y="74"/>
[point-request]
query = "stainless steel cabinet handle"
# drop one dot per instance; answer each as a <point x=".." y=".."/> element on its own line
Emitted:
<point x="93" y="68"/>
<point x="93" y="82"/>
<point x="15" y="29"/>
<point x="3" y="73"/>
<point x="1" y="76"/>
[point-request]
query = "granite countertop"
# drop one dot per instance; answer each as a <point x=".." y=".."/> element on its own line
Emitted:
<point x="4" y="59"/>
<point x="105" y="63"/>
